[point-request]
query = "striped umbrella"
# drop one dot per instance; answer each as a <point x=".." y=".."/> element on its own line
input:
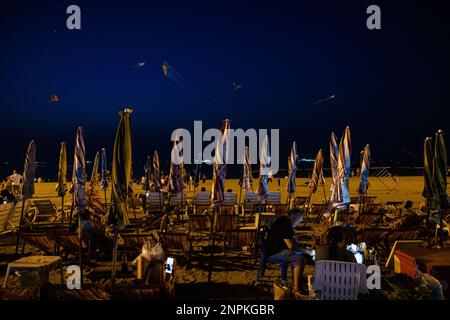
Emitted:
<point x="264" y="165"/>
<point x="121" y="171"/>
<point x="317" y="173"/>
<point x="365" y="165"/>
<point x="344" y="168"/>
<point x="28" y="183"/>
<point x="156" y="171"/>
<point x="61" y="188"/>
<point x="440" y="172"/>
<point x="334" y="154"/>
<point x="175" y="174"/>
<point x="247" y="179"/>
<point x="220" y="164"/>
<point x="94" y="174"/>
<point x="104" y="170"/>
<point x="147" y="173"/>
<point x="29" y="171"/>
<point x="292" y="166"/>
<point x="428" y="189"/>
<point x="79" y="173"/>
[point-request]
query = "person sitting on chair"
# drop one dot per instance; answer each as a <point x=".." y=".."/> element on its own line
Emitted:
<point x="336" y="247"/>
<point x="410" y="217"/>
<point x="281" y="246"/>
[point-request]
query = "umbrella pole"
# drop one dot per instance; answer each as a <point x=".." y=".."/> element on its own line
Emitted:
<point x="20" y="226"/>
<point x="71" y="212"/>
<point x="212" y="245"/>
<point x="80" y="250"/>
<point x="62" y="212"/>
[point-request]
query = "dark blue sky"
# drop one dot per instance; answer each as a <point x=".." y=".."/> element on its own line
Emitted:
<point x="391" y="85"/>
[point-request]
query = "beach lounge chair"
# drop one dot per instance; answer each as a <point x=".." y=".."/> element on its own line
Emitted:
<point x="134" y="242"/>
<point x="226" y="221"/>
<point x="88" y="292"/>
<point x="251" y="203"/>
<point x="240" y="242"/>
<point x="280" y="209"/>
<point x="273" y="198"/>
<point x="44" y="211"/>
<point x="317" y="210"/>
<point x="30" y="293"/>
<point x="40" y="240"/>
<point x="300" y="202"/>
<point x="70" y="242"/>
<point x="335" y="280"/>
<point x="176" y="243"/>
<point x="202" y="201"/>
<point x="229" y="199"/>
<point x="155" y="202"/>
<point x="200" y="225"/>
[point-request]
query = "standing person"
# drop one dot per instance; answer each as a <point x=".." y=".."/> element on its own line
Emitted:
<point x="16" y="180"/>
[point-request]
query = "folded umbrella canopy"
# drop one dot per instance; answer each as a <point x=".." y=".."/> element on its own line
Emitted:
<point x="61" y="188"/>
<point x="334" y="155"/>
<point x="104" y="170"/>
<point x="264" y="168"/>
<point x="220" y="163"/>
<point x="247" y="179"/>
<point x="344" y="168"/>
<point x="292" y="168"/>
<point x="428" y="188"/>
<point x="121" y="171"/>
<point x="94" y="174"/>
<point x="365" y="165"/>
<point x="440" y="172"/>
<point x="29" y="170"/>
<point x="317" y="173"/>
<point x="156" y="171"/>
<point x="79" y="173"/>
<point x="175" y="174"/>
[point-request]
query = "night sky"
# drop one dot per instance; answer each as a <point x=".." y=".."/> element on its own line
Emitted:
<point x="391" y="85"/>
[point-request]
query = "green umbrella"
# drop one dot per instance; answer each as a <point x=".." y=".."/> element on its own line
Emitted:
<point x="428" y="188"/>
<point x="121" y="170"/>
<point x="440" y="172"/>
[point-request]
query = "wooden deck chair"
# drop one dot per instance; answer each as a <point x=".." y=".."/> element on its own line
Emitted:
<point x="70" y="241"/>
<point x="228" y="209"/>
<point x="202" y="201"/>
<point x="317" y="210"/>
<point x="28" y="293"/>
<point x="137" y="292"/>
<point x="45" y="211"/>
<point x="300" y="202"/>
<point x="239" y="241"/>
<point x="335" y="280"/>
<point x="5" y="213"/>
<point x="179" y="199"/>
<point x="155" y="202"/>
<point x="229" y="199"/>
<point x="251" y="202"/>
<point x="371" y="235"/>
<point x="176" y="243"/>
<point x="280" y="209"/>
<point x="226" y="221"/>
<point x="40" y="240"/>
<point x="200" y="225"/>
<point x="403" y="234"/>
<point x="273" y="198"/>
<point x="134" y="241"/>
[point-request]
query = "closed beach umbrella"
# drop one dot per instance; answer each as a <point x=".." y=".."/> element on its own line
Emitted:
<point x="147" y="173"/>
<point x="264" y="168"/>
<point x="220" y="163"/>
<point x="29" y="171"/>
<point x="317" y="173"/>
<point x="292" y="169"/>
<point x="156" y="171"/>
<point x="121" y="171"/>
<point x="247" y="178"/>
<point x="94" y="174"/>
<point x="334" y="154"/>
<point x="344" y="167"/>
<point x="175" y="174"/>
<point x="440" y="172"/>
<point x="79" y="172"/>
<point x="104" y="170"/>
<point x="365" y="165"/>
<point x="61" y="188"/>
<point x="428" y="188"/>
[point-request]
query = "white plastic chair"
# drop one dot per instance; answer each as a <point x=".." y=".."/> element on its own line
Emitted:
<point x="336" y="280"/>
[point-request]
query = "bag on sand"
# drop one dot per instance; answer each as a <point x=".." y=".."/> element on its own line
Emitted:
<point x="281" y="291"/>
<point x="153" y="252"/>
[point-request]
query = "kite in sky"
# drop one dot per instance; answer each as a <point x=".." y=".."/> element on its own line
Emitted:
<point x="326" y="99"/>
